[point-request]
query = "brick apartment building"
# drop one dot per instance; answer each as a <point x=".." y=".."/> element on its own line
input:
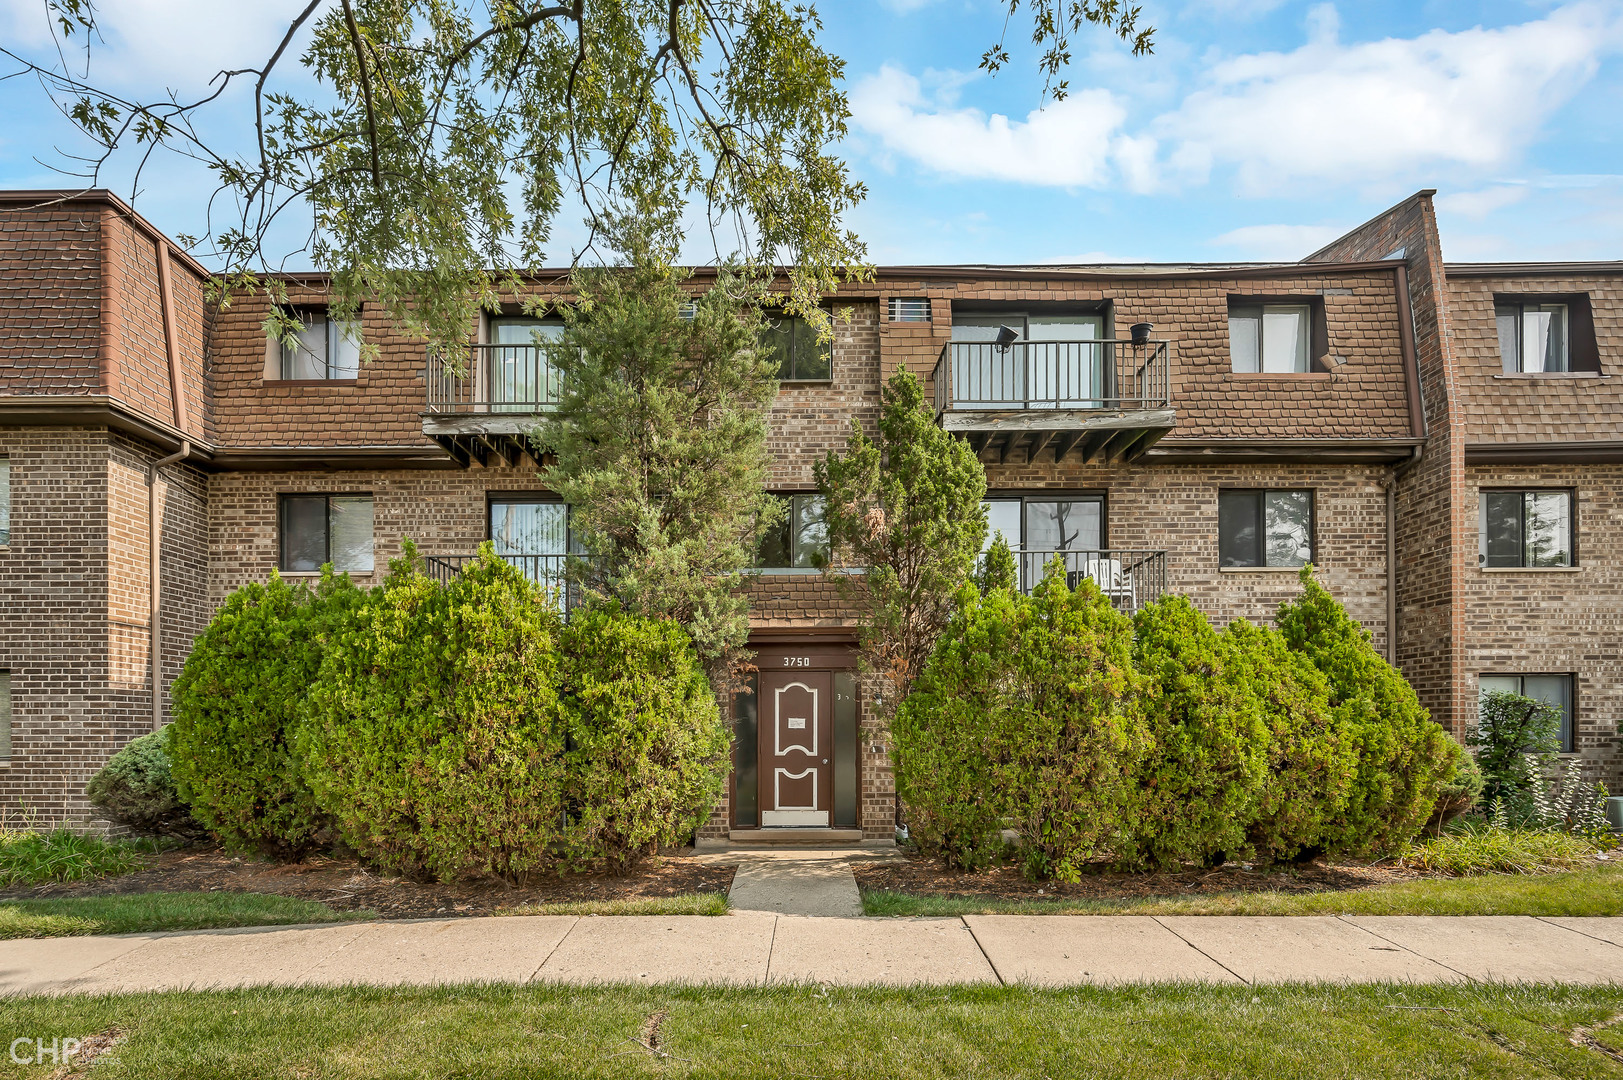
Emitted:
<point x="1444" y="441"/>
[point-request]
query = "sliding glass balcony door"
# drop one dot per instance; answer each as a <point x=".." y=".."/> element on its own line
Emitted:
<point x="518" y="370"/>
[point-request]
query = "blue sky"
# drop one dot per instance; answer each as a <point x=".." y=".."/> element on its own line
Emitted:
<point x="1258" y="130"/>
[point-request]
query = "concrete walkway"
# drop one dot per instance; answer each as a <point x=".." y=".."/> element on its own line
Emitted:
<point x="759" y="949"/>
<point x="796" y="880"/>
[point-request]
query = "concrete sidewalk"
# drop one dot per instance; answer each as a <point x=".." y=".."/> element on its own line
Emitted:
<point x="761" y="949"/>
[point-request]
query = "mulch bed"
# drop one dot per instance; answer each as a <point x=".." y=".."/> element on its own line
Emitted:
<point x="344" y="884"/>
<point x="929" y="878"/>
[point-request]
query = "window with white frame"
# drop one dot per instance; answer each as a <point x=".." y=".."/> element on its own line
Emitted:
<point x="321" y="529"/>
<point x="1533" y="337"/>
<point x="5" y="501"/>
<point x="1532" y="529"/>
<point x="324" y="349"/>
<point x="1264" y="528"/>
<point x="1554" y="689"/>
<point x="1269" y="338"/>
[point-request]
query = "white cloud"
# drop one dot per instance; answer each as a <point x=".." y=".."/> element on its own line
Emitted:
<point x="1064" y="145"/>
<point x="1382" y="112"/>
<point x="1479" y="204"/>
<point x="1389" y="109"/>
<point x="1278" y="241"/>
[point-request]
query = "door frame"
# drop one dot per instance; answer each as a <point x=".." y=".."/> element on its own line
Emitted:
<point x="824" y="652"/>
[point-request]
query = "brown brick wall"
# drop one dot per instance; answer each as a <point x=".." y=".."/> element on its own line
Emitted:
<point x="1497" y="408"/>
<point x="1533" y="622"/>
<point x="1364" y="398"/>
<point x="1431" y="530"/>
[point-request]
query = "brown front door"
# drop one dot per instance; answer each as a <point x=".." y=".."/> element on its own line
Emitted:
<point x="797" y="709"/>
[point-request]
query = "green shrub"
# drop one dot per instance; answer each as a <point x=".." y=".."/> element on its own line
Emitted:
<point x="1310" y="762"/>
<point x="648" y="750"/>
<point x="242" y="693"/>
<point x="1207" y="763"/>
<point x="1460" y="792"/>
<point x="1403" y="757"/>
<point x="435" y="737"/>
<point x="1513" y="737"/>
<point x="1028" y="711"/>
<point x="136" y="788"/>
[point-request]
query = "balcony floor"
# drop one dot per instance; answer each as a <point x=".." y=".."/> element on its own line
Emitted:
<point x="1090" y="434"/>
<point x="484" y="438"/>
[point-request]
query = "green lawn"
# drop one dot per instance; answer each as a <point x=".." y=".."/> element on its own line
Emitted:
<point x="1316" y="1033"/>
<point x="135" y="912"/>
<point x="1595" y="890"/>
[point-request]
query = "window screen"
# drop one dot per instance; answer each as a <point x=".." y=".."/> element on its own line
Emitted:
<point x="1265" y="528"/>
<point x="909" y="309"/>
<point x="318" y="529"/>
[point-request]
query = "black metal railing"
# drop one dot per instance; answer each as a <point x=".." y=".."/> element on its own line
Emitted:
<point x="550" y="572"/>
<point x="1130" y="579"/>
<point x="493" y="379"/>
<point x="1053" y="375"/>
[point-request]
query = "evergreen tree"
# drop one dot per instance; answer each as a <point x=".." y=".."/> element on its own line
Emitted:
<point x="660" y="449"/>
<point x="907" y="511"/>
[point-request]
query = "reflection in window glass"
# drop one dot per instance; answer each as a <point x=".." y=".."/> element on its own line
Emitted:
<point x="324" y="349"/>
<point x="1526" y="528"/>
<point x="800" y="540"/>
<point x="1062" y="525"/>
<point x="318" y="529"/>
<point x="1264" y="528"/>
<point x="1532" y="337"/>
<point x="1002" y="516"/>
<point x="1555" y="689"/>
<point x="1269" y="338"/>
<point x="800" y="355"/>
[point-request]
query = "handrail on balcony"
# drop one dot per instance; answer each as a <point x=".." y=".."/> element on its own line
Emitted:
<point x="1091" y="374"/>
<point x="550" y="572"/>
<point x="493" y="379"/>
<point x="1129" y="579"/>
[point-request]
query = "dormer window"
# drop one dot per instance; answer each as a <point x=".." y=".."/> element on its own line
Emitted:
<point x="325" y="349"/>
<point x="1533" y="337"/>
<point x="1269" y="338"/>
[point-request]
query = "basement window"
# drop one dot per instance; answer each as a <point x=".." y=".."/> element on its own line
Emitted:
<point x="321" y="529"/>
<point x="326" y="349"/>
<point x="1264" y="528"/>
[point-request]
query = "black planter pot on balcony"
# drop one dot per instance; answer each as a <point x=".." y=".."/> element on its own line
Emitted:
<point x="1140" y="332"/>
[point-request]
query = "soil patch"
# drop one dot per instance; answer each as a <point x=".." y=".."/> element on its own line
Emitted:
<point x="927" y="877"/>
<point x="345" y="884"/>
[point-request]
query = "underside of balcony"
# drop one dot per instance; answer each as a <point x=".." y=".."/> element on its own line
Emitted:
<point x="483" y="438"/>
<point x="1085" y="435"/>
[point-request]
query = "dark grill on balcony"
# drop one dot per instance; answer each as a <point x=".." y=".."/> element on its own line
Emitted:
<point x="1104" y="400"/>
<point x="548" y="571"/>
<point x="1129" y="579"/>
<point x="481" y="406"/>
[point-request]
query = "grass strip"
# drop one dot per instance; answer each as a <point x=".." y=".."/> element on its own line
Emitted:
<point x="491" y="1031"/>
<point x="708" y="903"/>
<point x="32" y="857"/>
<point x="1592" y="891"/>
<point x="132" y="913"/>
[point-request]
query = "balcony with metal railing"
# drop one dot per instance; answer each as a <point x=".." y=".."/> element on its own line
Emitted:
<point x="550" y="572"/>
<point x="482" y="405"/>
<point x="1105" y="400"/>
<point x="1129" y="579"/>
